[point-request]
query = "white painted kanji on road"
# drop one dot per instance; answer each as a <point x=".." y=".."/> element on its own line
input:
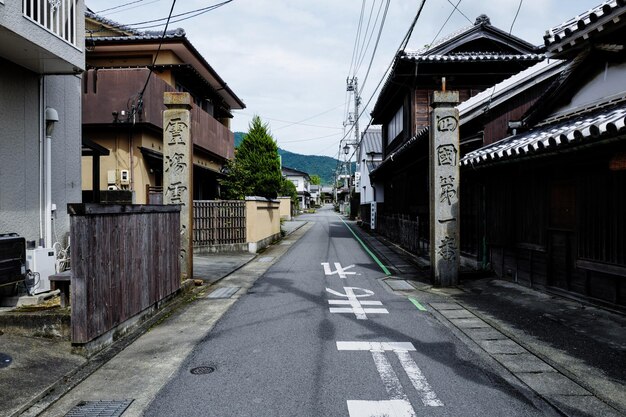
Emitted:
<point x="398" y="405"/>
<point x="356" y="306"/>
<point x="339" y="270"/>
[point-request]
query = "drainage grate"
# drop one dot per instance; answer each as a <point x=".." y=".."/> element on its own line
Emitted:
<point x="223" y="292"/>
<point x="5" y="360"/>
<point x="100" y="408"/>
<point x="202" y="370"/>
<point x="399" y="285"/>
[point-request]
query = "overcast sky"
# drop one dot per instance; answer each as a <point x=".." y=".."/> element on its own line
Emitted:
<point x="288" y="60"/>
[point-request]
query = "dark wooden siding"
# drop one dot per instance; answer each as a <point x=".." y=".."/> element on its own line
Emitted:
<point x="560" y="223"/>
<point x="124" y="260"/>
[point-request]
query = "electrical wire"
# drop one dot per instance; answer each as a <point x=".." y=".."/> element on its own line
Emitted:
<point x="311" y="117"/>
<point x="356" y="39"/>
<point x="515" y="18"/>
<point x="459" y="10"/>
<point x="380" y="31"/>
<point x="401" y="47"/>
<point x="143" y="90"/>
<point x="197" y="11"/>
<point x="130" y="8"/>
<point x="363" y="49"/>
<point x="456" y="7"/>
<point x="119" y="7"/>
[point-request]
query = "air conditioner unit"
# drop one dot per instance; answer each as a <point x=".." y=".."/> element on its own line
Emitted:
<point x="124" y="177"/>
<point x="42" y="261"/>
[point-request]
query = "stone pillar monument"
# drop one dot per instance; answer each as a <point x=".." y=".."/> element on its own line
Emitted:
<point x="178" y="170"/>
<point x="444" y="188"/>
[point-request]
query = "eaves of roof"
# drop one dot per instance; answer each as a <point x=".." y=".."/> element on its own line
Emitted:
<point x="579" y="29"/>
<point x="406" y="146"/>
<point x="512" y="86"/>
<point x="584" y="129"/>
<point x="174" y="37"/>
<point x="473" y="57"/>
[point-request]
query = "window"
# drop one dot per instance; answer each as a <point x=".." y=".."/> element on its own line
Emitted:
<point x="396" y="125"/>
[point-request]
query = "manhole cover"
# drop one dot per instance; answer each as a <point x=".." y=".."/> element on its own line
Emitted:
<point x="202" y="370"/>
<point x="100" y="408"/>
<point x="5" y="360"/>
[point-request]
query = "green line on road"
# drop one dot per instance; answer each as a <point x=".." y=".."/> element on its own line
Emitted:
<point x="383" y="267"/>
<point x="417" y="304"/>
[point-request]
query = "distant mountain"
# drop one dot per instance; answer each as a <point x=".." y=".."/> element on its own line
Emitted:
<point x="324" y="166"/>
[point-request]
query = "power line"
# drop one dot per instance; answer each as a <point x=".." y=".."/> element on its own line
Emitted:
<point x="309" y="118"/>
<point x="294" y="123"/>
<point x="516" y="14"/>
<point x="356" y="40"/>
<point x="120" y="6"/>
<point x="143" y="90"/>
<point x="456" y="7"/>
<point x="197" y="11"/>
<point x="459" y="10"/>
<point x="130" y="8"/>
<point x="361" y="52"/>
<point x="380" y="31"/>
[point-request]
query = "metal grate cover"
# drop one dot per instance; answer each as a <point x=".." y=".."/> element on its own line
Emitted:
<point x="223" y="292"/>
<point x="100" y="408"/>
<point x="399" y="285"/>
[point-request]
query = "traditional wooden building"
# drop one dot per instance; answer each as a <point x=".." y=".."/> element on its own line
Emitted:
<point x="555" y="186"/>
<point x="471" y="60"/>
<point x="127" y="73"/>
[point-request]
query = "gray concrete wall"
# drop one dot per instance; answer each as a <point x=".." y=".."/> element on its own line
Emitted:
<point x="21" y="123"/>
<point x="11" y="17"/>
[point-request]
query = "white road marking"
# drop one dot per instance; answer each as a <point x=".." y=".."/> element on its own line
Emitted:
<point x="389" y="408"/>
<point x="388" y="375"/>
<point x="427" y="395"/>
<point x="373" y="346"/>
<point x="356" y="306"/>
<point x="341" y="271"/>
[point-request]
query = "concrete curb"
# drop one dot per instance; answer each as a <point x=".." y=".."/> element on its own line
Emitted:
<point x="590" y="397"/>
<point x="56" y="390"/>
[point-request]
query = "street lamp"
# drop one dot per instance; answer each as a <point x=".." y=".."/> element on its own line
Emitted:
<point x="346" y="149"/>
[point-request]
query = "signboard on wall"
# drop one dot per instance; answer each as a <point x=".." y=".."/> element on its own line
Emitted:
<point x="373" y="215"/>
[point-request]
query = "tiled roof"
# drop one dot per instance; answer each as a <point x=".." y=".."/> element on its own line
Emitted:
<point x="406" y="146"/>
<point x="473" y="56"/>
<point x="582" y="26"/>
<point x="585" y="128"/>
<point x="372" y="141"/>
<point x="134" y="33"/>
<point x="511" y="86"/>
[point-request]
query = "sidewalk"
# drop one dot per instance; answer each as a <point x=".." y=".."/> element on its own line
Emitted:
<point x="571" y="354"/>
<point x="33" y="367"/>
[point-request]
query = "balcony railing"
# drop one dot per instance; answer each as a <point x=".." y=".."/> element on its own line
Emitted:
<point x="56" y="16"/>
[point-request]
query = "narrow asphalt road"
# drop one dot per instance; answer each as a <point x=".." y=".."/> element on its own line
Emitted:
<point x="321" y="334"/>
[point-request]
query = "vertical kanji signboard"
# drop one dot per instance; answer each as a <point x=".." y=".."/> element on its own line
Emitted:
<point x="444" y="188"/>
<point x="178" y="170"/>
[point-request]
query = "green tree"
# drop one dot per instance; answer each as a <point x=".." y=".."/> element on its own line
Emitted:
<point x="255" y="171"/>
<point x="316" y="180"/>
<point x="288" y="189"/>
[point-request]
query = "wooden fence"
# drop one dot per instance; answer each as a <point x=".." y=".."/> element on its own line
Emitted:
<point x="219" y="222"/>
<point x="405" y="231"/>
<point x="124" y="260"/>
